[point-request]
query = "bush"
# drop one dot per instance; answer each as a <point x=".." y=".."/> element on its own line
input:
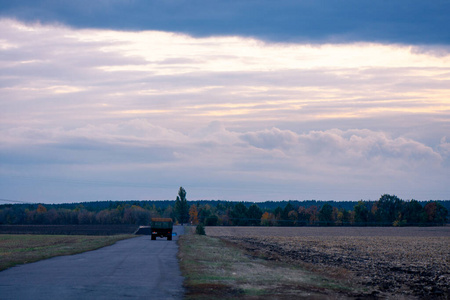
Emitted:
<point x="212" y="220"/>
<point x="200" y="229"/>
<point x="398" y="223"/>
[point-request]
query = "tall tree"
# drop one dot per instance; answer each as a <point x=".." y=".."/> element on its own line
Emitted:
<point x="239" y="214"/>
<point x="181" y="207"/>
<point x="278" y="213"/>
<point x="361" y="213"/>
<point x="254" y="214"/>
<point x="412" y="212"/>
<point x="326" y="214"/>
<point x="435" y="213"/>
<point x="193" y="214"/>
<point x="285" y="215"/>
<point x="389" y="207"/>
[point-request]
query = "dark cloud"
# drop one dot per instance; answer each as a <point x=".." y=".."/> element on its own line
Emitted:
<point x="400" y="21"/>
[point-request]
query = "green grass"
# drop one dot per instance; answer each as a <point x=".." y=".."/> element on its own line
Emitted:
<point x="22" y="249"/>
<point x="215" y="268"/>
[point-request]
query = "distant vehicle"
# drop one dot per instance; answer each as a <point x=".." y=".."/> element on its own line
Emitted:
<point x="162" y="227"/>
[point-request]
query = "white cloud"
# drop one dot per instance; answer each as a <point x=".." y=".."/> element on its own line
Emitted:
<point x="270" y="139"/>
<point x="444" y="147"/>
<point x="223" y="111"/>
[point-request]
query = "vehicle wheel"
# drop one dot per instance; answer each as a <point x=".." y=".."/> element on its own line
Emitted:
<point x="169" y="238"/>
<point x="153" y="237"/>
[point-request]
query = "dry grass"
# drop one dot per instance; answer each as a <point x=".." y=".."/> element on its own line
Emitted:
<point x="21" y="249"/>
<point x="216" y="268"/>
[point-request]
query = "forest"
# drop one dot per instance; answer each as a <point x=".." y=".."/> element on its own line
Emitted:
<point x="389" y="210"/>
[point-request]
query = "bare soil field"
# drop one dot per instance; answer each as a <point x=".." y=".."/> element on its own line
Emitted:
<point x="407" y="262"/>
<point x="68" y="229"/>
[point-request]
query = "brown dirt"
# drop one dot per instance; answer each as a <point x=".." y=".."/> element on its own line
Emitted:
<point x="212" y="290"/>
<point x="405" y="263"/>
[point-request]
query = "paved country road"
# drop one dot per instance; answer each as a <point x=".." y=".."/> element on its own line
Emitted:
<point x="137" y="268"/>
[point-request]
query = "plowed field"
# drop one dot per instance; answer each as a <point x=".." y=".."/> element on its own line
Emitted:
<point x="69" y="229"/>
<point x="408" y="262"/>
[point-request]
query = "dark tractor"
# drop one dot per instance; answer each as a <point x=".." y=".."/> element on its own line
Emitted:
<point x="162" y="227"/>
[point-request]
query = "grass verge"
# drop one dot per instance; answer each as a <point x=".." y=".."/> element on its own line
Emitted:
<point x="27" y="248"/>
<point x="215" y="268"/>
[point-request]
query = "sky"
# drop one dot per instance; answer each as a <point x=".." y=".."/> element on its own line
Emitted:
<point x="233" y="100"/>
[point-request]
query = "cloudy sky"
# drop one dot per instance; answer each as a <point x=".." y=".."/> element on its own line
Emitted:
<point x="233" y="100"/>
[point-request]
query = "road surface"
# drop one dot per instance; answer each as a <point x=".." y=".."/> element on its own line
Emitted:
<point x="136" y="268"/>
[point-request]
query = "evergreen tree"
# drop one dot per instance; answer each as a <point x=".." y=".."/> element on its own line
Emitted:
<point x="278" y="213"/>
<point x="361" y="213"/>
<point x="239" y="214"/>
<point x="254" y="214"/>
<point x="181" y="207"/>
<point x="285" y="214"/>
<point x="326" y="214"/>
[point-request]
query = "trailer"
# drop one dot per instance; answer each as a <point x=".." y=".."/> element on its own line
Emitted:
<point x="162" y="227"/>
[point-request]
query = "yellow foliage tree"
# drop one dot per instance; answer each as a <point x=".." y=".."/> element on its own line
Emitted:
<point x="193" y="214"/>
<point x="41" y="209"/>
<point x="267" y="219"/>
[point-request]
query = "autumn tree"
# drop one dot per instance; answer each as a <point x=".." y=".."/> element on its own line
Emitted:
<point x="169" y="212"/>
<point x="85" y="217"/>
<point x="293" y="217"/>
<point x="40" y="214"/>
<point x="41" y="209"/>
<point x="342" y="217"/>
<point x="313" y="213"/>
<point x="136" y="215"/>
<point x="302" y="216"/>
<point x="435" y="213"/>
<point x="267" y="219"/>
<point x="388" y="211"/>
<point x="193" y="214"/>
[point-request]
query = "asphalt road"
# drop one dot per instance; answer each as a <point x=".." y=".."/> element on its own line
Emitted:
<point x="137" y="268"/>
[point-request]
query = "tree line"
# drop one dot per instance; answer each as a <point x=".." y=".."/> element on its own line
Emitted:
<point x="389" y="210"/>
